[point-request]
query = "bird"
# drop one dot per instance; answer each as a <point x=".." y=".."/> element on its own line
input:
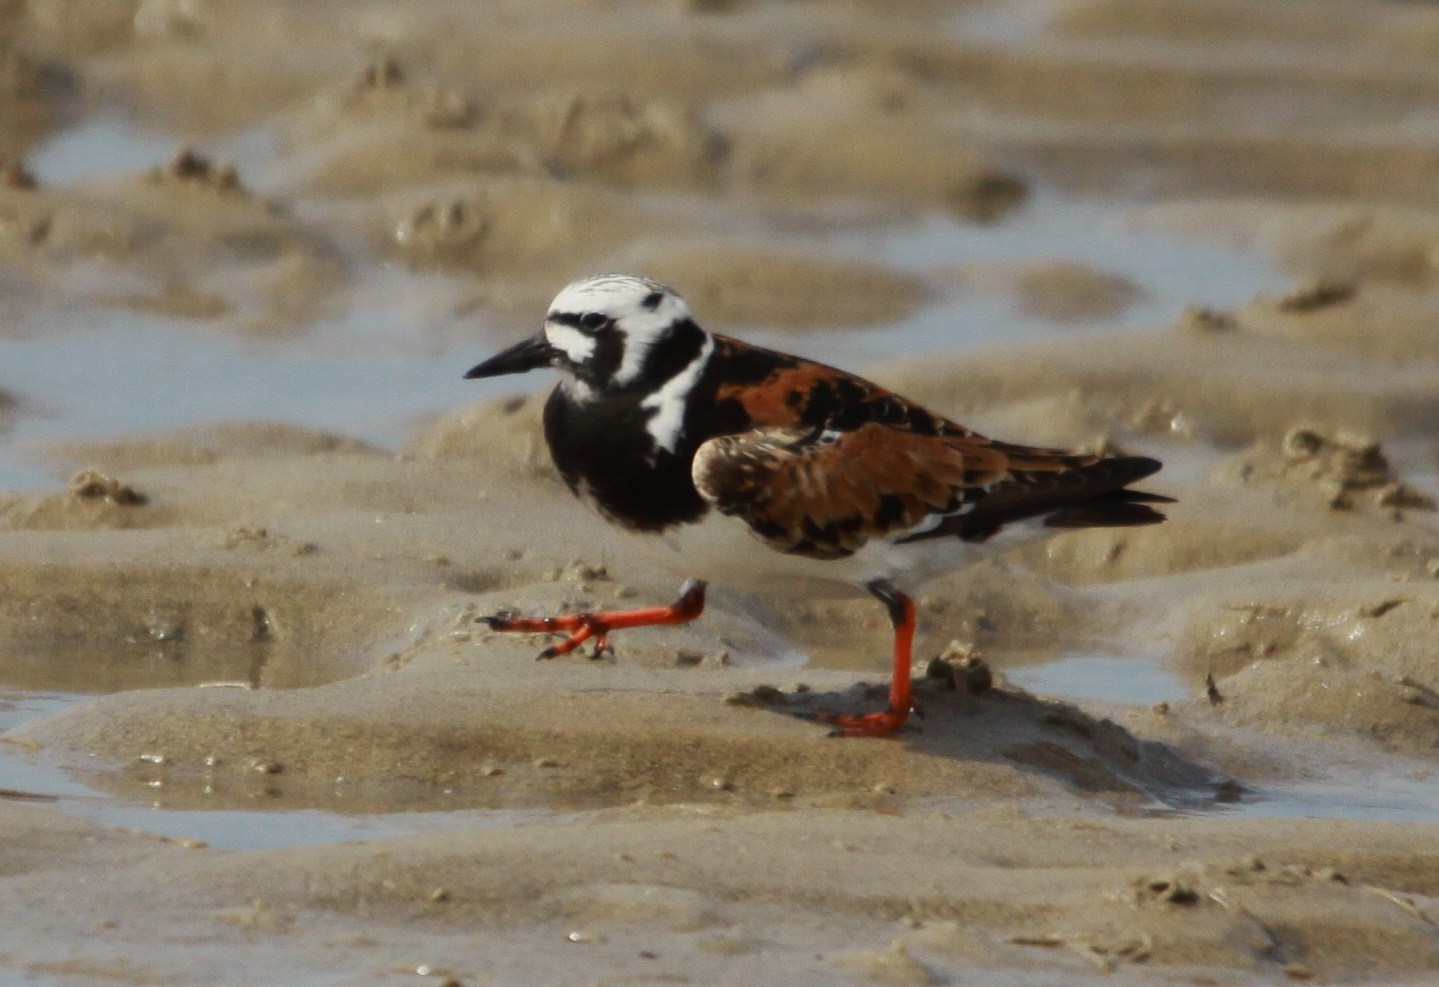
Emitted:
<point x="747" y="466"/>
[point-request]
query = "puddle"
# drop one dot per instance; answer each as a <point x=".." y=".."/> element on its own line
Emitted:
<point x="1388" y="794"/>
<point x="129" y="373"/>
<point x="30" y="778"/>
<point x="396" y="356"/>
<point x="111" y="143"/>
<point x="269" y="829"/>
<point x="1338" y="784"/>
<point x="1135" y="681"/>
<point x="1008" y="23"/>
<point x="9" y="978"/>
<point x="99" y="147"/>
<point x="85" y="371"/>
<point x="1171" y="271"/>
<point x="19" y="772"/>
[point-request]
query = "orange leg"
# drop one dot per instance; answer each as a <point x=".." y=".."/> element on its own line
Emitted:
<point x="583" y="626"/>
<point x="901" y="615"/>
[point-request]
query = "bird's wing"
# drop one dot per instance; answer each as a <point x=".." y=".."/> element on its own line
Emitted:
<point x="830" y="460"/>
<point x="824" y="492"/>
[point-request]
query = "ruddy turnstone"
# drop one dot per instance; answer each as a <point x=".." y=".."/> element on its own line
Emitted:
<point x="749" y="466"/>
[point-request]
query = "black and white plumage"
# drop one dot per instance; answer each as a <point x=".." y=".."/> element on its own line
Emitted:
<point x="750" y="466"/>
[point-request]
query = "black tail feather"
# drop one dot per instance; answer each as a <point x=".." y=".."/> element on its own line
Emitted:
<point x="1119" y="509"/>
<point x="1084" y="497"/>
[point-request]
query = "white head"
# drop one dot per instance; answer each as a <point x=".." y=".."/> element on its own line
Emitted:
<point x="607" y="334"/>
<point x="606" y="329"/>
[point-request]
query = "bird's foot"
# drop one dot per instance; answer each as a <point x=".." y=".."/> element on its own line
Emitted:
<point x="894" y="716"/>
<point x="878" y="724"/>
<point x="581" y="627"/>
<point x="578" y="628"/>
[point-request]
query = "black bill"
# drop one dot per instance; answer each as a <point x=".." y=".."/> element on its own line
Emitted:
<point x="530" y="354"/>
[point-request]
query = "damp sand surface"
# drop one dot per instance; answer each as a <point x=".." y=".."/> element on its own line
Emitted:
<point x="249" y="512"/>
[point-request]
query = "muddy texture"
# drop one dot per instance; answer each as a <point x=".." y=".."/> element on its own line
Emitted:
<point x="270" y="618"/>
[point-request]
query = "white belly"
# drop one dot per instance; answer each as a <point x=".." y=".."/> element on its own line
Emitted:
<point x="722" y="550"/>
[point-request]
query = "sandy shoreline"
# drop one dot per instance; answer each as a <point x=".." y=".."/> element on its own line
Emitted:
<point x="275" y="617"/>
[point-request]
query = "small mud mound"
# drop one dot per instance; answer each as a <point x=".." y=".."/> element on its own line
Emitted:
<point x="1344" y="470"/>
<point x="446" y="727"/>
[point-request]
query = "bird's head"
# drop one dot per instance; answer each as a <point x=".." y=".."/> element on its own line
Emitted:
<point x="608" y="334"/>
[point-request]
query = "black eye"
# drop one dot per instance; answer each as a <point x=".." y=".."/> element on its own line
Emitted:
<point x="593" y="321"/>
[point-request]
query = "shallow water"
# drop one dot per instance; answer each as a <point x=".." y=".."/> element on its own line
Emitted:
<point x="10" y="978"/>
<point x="31" y="778"/>
<point x="98" y="147"/>
<point x="1396" y="792"/>
<point x="1107" y="678"/>
<point x="1172" y="272"/>
<point x="1337" y="784"/>
<point x="396" y="356"/>
<point x="130" y="373"/>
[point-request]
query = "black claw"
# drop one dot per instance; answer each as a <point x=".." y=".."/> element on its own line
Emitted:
<point x="498" y="619"/>
<point x="547" y="654"/>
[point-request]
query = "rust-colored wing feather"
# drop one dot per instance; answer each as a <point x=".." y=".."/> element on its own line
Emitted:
<point x="832" y="460"/>
<point x="824" y="493"/>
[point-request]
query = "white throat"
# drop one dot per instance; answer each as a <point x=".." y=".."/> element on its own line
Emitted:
<point x="669" y="402"/>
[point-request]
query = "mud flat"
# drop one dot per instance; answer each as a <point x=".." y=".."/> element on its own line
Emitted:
<point x="272" y="623"/>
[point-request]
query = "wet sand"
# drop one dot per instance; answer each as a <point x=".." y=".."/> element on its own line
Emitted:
<point x="275" y="616"/>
